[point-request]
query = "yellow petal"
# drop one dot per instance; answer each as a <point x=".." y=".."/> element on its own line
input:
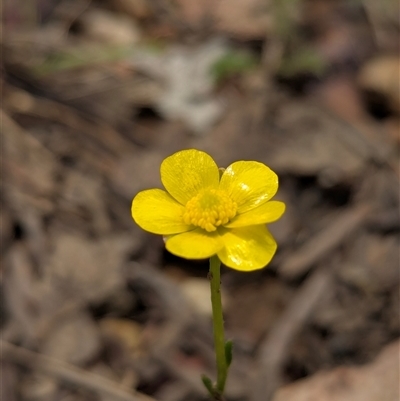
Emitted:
<point x="247" y="248"/>
<point x="266" y="213"/>
<point x="156" y="211"/>
<point x="196" y="244"/>
<point x="249" y="184"/>
<point x="186" y="173"/>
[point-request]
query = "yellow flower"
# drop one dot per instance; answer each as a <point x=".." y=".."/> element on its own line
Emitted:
<point x="204" y="213"/>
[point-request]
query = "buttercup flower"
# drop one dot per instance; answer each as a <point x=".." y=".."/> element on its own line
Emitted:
<point x="204" y="213"/>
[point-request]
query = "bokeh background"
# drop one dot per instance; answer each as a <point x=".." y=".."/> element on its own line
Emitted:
<point x="95" y="94"/>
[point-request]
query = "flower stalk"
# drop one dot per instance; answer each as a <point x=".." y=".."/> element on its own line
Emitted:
<point x="218" y="323"/>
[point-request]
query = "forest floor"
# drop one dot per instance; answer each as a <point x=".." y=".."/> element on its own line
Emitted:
<point x="95" y="94"/>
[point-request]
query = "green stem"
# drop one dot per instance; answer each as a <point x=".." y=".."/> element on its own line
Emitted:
<point x="218" y="323"/>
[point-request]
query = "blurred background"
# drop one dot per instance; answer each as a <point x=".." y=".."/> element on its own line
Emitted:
<point x="95" y="94"/>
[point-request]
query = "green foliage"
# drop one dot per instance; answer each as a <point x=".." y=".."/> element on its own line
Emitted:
<point x="284" y="14"/>
<point x="232" y="63"/>
<point x="228" y="352"/>
<point x="208" y="384"/>
<point x="81" y="57"/>
<point x="298" y="56"/>
<point x="84" y="56"/>
<point x="304" y="60"/>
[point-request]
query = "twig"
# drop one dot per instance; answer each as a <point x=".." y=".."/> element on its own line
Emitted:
<point x="323" y="242"/>
<point x="68" y="373"/>
<point x="274" y="349"/>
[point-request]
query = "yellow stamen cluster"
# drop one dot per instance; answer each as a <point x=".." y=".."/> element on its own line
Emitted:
<point x="210" y="209"/>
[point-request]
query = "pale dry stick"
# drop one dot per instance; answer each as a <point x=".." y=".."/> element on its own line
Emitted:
<point x="274" y="349"/>
<point x="324" y="242"/>
<point x="69" y="373"/>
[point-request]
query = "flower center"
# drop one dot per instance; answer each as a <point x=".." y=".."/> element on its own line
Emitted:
<point x="209" y="209"/>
